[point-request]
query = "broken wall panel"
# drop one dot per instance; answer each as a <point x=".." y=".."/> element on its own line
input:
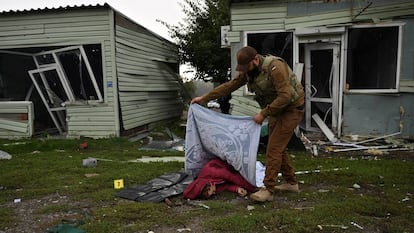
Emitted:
<point x="149" y="89"/>
<point x="16" y="119"/>
<point x="116" y="48"/>
<point x="60" y="28"/>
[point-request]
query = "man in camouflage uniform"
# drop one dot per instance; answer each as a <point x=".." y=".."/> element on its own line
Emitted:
<point x="281" y="98"/>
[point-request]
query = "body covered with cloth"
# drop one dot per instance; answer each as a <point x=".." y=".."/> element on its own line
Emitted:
<point x="210" y="134"/>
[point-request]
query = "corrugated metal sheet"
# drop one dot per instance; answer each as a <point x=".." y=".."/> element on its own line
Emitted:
<point x="60" y="8"/>
<point x="148" y="91"/>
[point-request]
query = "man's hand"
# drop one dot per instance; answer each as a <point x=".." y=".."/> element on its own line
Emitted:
<point x="241" y="191"/>
<point x="258" y="118"/>
<point x="197" y="100"/>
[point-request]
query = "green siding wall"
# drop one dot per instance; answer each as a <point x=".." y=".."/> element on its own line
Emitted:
<point x="148" y="89"/>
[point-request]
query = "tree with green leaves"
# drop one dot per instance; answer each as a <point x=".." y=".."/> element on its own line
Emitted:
<point x="199" y="39"/>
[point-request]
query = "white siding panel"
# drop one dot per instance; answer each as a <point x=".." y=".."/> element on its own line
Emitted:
<point x="16" y="119"/>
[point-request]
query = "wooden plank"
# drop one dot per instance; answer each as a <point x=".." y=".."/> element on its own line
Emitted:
<point x="325" y="129"/>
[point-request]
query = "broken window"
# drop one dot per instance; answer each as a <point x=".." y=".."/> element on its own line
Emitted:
<point x="52" y="77"/>
<point x="275" y="43"/>
<point x="78" y="65"/>
<point x="64" y="75"/>
<point x="372" y="59"/>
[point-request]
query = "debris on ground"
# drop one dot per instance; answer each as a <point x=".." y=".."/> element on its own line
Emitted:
<point x="375" y="146"/>
<point x="83" y="146"/>
<point x="321" y="226"/>
<point x="4" y="155"/>
<point x="89" y="162"/>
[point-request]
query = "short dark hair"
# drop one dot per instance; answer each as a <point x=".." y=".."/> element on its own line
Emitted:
<point x="204" y="193"/>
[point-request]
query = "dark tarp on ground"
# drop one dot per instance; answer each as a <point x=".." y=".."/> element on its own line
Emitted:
<point x="156" y="190"/>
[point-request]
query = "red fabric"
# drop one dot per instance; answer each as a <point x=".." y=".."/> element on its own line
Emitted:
<point x="220" y="173"/>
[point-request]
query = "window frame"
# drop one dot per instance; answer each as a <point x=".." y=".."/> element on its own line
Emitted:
<point x="398" y="66"/>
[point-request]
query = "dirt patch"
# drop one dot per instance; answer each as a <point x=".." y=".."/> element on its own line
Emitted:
<point x="32" y="216"/>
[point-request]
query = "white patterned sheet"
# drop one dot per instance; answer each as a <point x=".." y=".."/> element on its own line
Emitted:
<point x="234" y="139"/>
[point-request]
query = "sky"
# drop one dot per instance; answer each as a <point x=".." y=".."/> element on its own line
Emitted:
<point x="143" y="12"/>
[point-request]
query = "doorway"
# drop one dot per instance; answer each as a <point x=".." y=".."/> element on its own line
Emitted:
<point x="322" y="84"/>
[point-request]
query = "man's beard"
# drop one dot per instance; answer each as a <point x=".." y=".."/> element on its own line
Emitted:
<point x="253" y="73"/>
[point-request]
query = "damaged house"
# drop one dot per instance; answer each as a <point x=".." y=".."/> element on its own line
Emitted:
<point x="355" y="59"/>
<point x="84" y="71"/>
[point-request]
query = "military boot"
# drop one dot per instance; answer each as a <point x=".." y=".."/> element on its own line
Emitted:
<point x="262" y="195"/>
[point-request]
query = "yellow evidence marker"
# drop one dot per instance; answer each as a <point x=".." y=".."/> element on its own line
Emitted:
<point x="118" y="184"/>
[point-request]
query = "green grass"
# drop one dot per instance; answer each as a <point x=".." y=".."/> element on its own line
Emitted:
<point x="43" y="168"/>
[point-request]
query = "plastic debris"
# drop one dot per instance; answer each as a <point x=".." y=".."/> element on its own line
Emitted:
<point x="197" y="203"/>
<point x="356" y="186"/>
<point x="83" y="146"/>
<point x="204" y="205"/>
<point x="90" y="162"/>
<point x="183" y="229"/>
<point x="168" y="202"/>
<point x="320" y="227"/>
<point x="250" y="207"/>
<point x="315" y="150"/>
<point x="356" y="225"/>
<point x="4" y="155"/>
